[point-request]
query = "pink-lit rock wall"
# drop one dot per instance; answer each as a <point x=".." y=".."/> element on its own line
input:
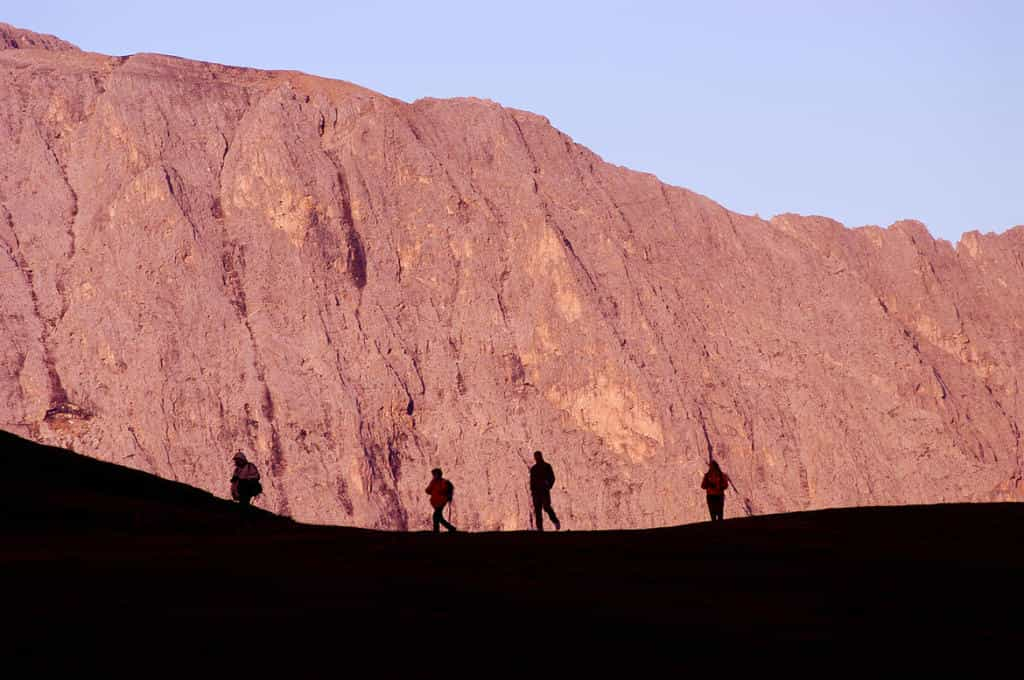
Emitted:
<point x="196" y="259"/>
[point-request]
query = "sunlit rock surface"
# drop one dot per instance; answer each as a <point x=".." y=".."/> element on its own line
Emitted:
<point x="352" y="289"/>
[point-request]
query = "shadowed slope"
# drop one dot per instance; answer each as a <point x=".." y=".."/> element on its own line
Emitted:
<point x="840" y="578"/>
<point x="55" y="491"/>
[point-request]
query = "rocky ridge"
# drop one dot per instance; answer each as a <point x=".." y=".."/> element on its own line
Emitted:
<point x="197" y="258"/>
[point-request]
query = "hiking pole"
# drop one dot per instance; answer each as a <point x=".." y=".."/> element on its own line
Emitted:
<point x="746" y="501"/>
<point x="524" y="461"/>
<point x="529" y="492"/>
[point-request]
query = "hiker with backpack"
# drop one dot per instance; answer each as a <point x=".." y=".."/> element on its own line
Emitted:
<point x="715" y="483"/>
<point x="542" y="479"/>
<point x="441" y="492"/>
<point x="245" y="482"/>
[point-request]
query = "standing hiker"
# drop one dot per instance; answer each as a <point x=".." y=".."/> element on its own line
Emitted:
<point x="542" y="478"/>
<point x="245" y="482"/>
<point x="440" y="491"/>
<point x="715" y="483"/>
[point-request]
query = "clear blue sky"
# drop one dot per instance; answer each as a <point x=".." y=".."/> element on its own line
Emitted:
<point x="863" y="111"/>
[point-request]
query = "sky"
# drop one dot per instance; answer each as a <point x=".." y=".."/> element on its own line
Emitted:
<point x="866" y="112"/>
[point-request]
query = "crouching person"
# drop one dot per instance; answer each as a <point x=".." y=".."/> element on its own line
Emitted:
<point x="245" y="482"/>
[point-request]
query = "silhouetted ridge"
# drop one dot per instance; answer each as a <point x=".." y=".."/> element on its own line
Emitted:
<point x="55" y="489"/>
<point x="187" y="572"/>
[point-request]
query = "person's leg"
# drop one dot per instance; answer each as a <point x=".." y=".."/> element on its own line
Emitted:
<point x="538" y="512"/>
<point x="551" y="514"/>
<point x="438" y="519"/>
<point x="715" y="503"/>
<point x="245" y="517"/>
<point x="447" y="525"/>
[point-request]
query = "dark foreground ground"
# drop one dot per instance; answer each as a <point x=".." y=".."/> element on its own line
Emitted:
<point x="106" y="567"/>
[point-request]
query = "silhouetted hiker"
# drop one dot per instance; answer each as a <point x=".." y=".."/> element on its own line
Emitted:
<point x="245" y="482"/>
<point x="715" y="483"/>
<point x="542" y="478"/>
<point x="440" y="491"/>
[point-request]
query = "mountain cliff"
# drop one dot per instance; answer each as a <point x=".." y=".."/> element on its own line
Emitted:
<point x="353" y="289"/>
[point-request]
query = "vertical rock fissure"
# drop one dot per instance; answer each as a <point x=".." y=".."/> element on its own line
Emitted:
<point x="9" y="250"/>
<point x="394" y="513"/>
<point x="169" y="420"/>
<point x="59" y="403"/>
<point x="942" y="383"/>
<point x="602" y="302"/>
<point x="62" y="167"/>
<point x="1014" y="430"/>
<point x="456" y="263"/>
<point x="172" y="178"/>
<point x="232" y="260"/>
<point x="406" y="351"/>
<point x="1020" y="449"/>
<point x="341" y="379"/>
<point x="548" y="215"/>
<point x="63" y="266"/>
<point x="355" y="259"/>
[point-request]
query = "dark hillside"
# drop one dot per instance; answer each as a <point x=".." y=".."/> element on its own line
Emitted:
<point x="112" y="566"/>
<point x="54" y="491"/>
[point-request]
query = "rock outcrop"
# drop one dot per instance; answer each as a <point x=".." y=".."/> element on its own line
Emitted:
<point x="13" y="38"/>
<point x="198" y="259"/>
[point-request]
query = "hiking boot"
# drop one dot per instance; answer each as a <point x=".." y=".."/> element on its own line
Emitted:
<point x="558" y="525"/>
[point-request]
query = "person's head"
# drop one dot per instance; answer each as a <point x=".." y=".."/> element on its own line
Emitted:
<point x="436" y="472"/>
<point x="240" y="458"/>
<point x="538" y="456"/>
<point x="714" y="466"/>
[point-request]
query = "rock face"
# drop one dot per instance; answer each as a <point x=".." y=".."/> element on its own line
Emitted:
<point x="13" y="38"/>
<point x="198" y="259"/>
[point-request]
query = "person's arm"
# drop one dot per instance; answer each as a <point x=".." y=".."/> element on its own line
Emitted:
<point x="704" y="482"/>
<point x="551" y="477"/>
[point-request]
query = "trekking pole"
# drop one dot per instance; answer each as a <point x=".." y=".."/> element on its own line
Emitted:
<point x="746" y="501"/>
<point x="529" y="492"/>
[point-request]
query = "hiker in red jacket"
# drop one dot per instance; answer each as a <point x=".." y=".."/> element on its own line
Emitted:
<point x="440" y="491"/>
<point x="715" y="483"/>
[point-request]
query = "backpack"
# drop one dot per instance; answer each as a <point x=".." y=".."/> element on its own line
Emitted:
<point x="716" y="482"/>
<point x="252" y="485"/>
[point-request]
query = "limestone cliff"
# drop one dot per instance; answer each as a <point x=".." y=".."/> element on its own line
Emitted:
<point x="198" y="259"/>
